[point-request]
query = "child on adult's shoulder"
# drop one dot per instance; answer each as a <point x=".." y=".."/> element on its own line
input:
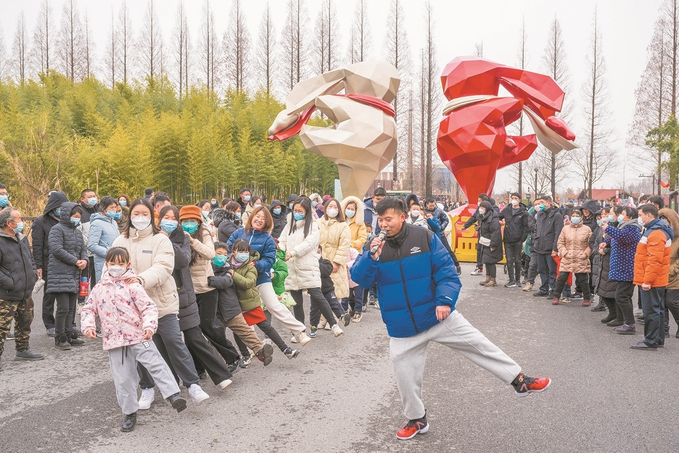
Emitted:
<point x="129" y="318"/>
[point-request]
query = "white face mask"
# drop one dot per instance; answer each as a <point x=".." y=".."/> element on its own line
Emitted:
<point x="641" y="222"/>
<point x="515" y="202"/>
<point x="482" y="211"/>
<point x="332" y="213"/>
<point x="141" y="223"/>
<point x="415" y="214"/>
<point x="116" y="271"/>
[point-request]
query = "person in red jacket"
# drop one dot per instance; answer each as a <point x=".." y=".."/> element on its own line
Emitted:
<point x="651" y="273"/>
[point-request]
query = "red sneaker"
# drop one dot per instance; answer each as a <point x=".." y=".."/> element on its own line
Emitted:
<point x="524" y="385"/>
<point x="413" y="428"/>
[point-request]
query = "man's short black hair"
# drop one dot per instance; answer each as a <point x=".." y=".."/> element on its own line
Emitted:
<point x="483" y="197"/>
<point x="649" y="209"/>
<point x="2" y="186"/>
<point x="148" y="191"/>
<point x="394" y="203"/>
<point x="245" y="189"/>
<point x="82" y="194"/>
<point x="658" y="201"/>
<point x="430" y="200"/>
<point x="161" y="197"/>
<point x="546" y="198"/>
<point x="380" y="192"/>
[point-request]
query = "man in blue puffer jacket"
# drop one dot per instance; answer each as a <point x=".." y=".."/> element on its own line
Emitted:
<point x="421" y="308"/>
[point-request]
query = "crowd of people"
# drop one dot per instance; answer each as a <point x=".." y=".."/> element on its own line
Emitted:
<point x="608" y="250"/>
<point x="160" y="283"/>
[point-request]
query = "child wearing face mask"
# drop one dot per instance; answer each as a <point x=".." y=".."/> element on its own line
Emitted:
<point x="415" y="216"/>
<point x="244" y="274"/>
<point x="129" y="318"/>
<point x="574" y="251"/>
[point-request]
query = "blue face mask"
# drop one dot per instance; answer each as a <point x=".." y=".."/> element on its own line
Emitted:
<point x="543" y="207"/>
<point x="4" y="199"/>
<point x="611" y="219"/>
<point x="620" y="218"/>
<point x="314" y="203"/>
<point x="277" y="211"/>
<point x="246" y="198"/>
<point x="91" y="201"/>
<point x="123" y="202"/>
<point x="57" y="212"/>
<point x="575" y="220"/>
<point x="291" y="205"/>
<point x="75" y="221"/>
<point x="298" y="216"/>
<point x="168" y="226"/>
<point x="111" y="214"/>
<point x="238" y="214"/>
<point x="19" y="228"/>
<point x="598" y="222"/>
<point x="118" y="215"/>
<point x="219" y="260"/>
<point x="190" y="227"/>
<point x="350" y="214"/>
<point x="242" y="257"/>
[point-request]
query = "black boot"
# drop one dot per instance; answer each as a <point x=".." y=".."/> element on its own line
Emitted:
<point x="74" y="340"/>
<point x="601" y="306"/>
<point x="129" y="422"/>
<point x="61" y="342"/>
<point x="612" y="312"/>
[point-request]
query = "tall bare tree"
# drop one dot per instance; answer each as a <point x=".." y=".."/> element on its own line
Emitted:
<point x="125" y="42"/>
<point x="4" y="64"/>
<point x="208" y="47"/>
<point x="20" y="51"/>
<point x="43" y="38"/>
<point x="293" y="50"/>
<point x="180" y="51"/>
<point x="555" y="65"/>
<point x="111" y="53"/>
<point x="523" y="63"/>
<point x="670" y="14"/>
<point x="88" y="48"/>
<point x="598" y="158"/>
<point x="430" y="72"/>
<point x="150" y="42"/>
<point x="359" y="46"/>
<point x="266" y="51"/>
<point x="398" y="54"/>
<point x="478" y="49"/>
<point x="410" y="154"/>
<point x="326" y="38"/>
<point x="237" y="48"/>
<point x="71" y="42"/>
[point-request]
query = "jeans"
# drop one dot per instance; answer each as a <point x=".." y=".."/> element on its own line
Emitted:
<point x="65" y="312"/>
<point x="357" y="292"/>
<point x="513" y="254"/>
<point x="168" y="339"/>
<point x="623" y="301"/>
<point x="316" y="299"/>
<point x="581" y="279"/>
<point x="547" y="270"/>
<point x="212" y="328"/>
<point x="532" y="269"/>
<point x="335" y="306"/>
<point x="653" y="306"/>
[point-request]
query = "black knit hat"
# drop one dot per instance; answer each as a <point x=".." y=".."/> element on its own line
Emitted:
<point x="515" y="194"/>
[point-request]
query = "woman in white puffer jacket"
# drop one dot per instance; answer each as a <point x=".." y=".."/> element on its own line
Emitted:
<point x="300" y="240"/>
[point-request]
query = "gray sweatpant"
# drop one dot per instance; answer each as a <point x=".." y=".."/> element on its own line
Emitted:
<point x="409" y="354"/>
<point x="123" y="363"/>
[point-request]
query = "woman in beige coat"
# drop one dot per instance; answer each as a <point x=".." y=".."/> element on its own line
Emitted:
<point x="574" y="251"/>
<point x="353" y="209"/>
<point x="207" y="298"/>
<point x="152" y="258"/>
<point x="335" y="240"/>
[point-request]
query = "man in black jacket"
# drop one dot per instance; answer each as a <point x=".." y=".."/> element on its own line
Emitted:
<point x="17" y="278"/>
<point x="517" y="228"/>
<point x="547" y="230"/>
<point x="40" y="233"/>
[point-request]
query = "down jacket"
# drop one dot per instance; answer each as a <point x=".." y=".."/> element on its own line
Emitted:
<point x="228" y="306"/>
<point x="66" y="246"/>
<point x="263" y="243"/>
<point x="303" y="270"/>
<point x="652" y="259"/>
<point x="226" y="223"/>
<point x="103" y="231"/>
<point x="125" y="311"/>
<point x="547" y="230"/>
<point x="245" y="280"/>
<point x="17" y="271"/>
<point x="673" y="219"/>
<point x="280" y="273"/>
<point x="356" y="224"/>
<point x="605" y="286"/>
<point x="414" y="274"/>
<point x="40" y="230"/>
<point x="188" y="309"/>
<point x="573" y="245"/>
<point x="489" y="227"/>
<point x="152" y="258"/>
<point x="201" y="269"/>
<point x="335" y="238"/>
<point x="623" y="241"/>
<point x="517" y="224"/>
<point x="279" y="220"/>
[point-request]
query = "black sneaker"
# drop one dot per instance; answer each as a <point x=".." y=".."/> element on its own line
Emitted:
<point x="511" y="285"/>
<point x="61" y="342"/>
<point x="413" y="428"/>
<point x="291" y="353"/>
<point x="540" y="294"/>
<point x="178" y="403"/>
<point x="10" y="337"/>
<point x="577" y="296"/>
<point x="129" y="422"/>
<point x="233" y="367"/>
<point x="28" y="354"/>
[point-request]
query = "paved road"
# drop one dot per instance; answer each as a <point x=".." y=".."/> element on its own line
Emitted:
<point x="340" y="395"/>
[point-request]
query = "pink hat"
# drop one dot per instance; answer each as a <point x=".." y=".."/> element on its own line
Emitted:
<point x="326" y="197"/>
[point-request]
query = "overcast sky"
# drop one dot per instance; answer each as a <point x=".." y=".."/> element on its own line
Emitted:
<point x="626" y="27"/>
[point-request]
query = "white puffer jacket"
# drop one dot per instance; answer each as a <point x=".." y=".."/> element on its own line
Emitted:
<point x="335" y="239"/>
<point x="303" y="267"/>
<point x="152" y="258"/>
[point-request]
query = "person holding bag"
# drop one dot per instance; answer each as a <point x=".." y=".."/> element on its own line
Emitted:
<point x="490" y="239"/>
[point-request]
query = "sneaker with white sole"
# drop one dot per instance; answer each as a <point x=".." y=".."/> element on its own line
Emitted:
<point x="225" y="383"/>
<point x="147" y="397"/>
<point x="413" y="428"/>
<point x="477" y="272"/>
<point x="322" y="323"/>
<point x="294" y="339"/>
<point x="197" y="394"/>
<point x="302" y="338"/>
<point x="357" y="317"/>
<point x="291" y="353"/>
<point x="336" y="330"/>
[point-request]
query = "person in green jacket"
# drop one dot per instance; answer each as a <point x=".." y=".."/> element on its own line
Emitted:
<point x="244" y="275"/>
<point x="279" y="272"/>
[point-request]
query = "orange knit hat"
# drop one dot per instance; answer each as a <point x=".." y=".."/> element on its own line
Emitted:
<point x="190" y="212"/>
